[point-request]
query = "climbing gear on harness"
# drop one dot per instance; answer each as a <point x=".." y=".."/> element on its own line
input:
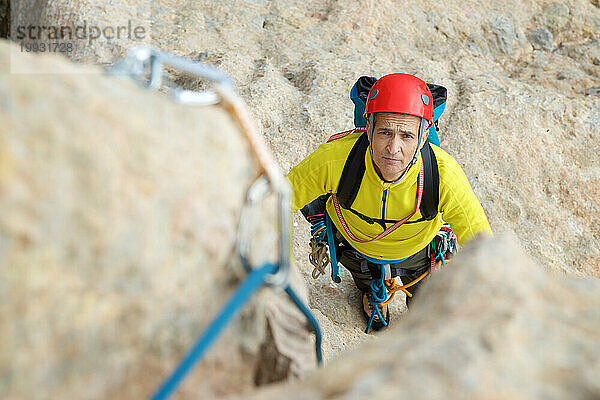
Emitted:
<point x="381" y="297"/>
<point x="318" y="242"/>
<point x="321" y="238"/>
<point x="318" y="256"/>
<point x="137" y="62"/>
<point x="443" y="246"/>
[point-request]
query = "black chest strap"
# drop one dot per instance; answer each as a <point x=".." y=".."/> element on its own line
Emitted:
<point x="354" y="170"/>
<point x="431" y="188"/>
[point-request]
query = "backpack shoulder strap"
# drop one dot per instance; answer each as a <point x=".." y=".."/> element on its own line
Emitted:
<point x="431" y="190"/>
<point x="343" y="134"/>
<point x="353" y="172"/>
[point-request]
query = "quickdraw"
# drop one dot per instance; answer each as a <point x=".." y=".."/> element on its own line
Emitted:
<point x="318" y="257"/>
<point x="135" y="65"/>
<point x="443" y="247"/>
<point x="318" y="245"/>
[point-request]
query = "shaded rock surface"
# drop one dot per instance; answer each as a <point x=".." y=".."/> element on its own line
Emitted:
<point x="117" y="240"/>
<point x="494" y="325"/>
<point x="541" y="39"/>
<point x="557" y="16"/>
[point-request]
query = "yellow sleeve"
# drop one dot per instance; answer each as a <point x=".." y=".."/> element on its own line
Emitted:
<point x="310" y="178"/>
<point x="459" y="205"/>
<point x="320" y="172"/>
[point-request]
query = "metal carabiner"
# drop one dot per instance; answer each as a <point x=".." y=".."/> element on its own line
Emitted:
<point x="146" y="66"/>
<point x="318" y="257"/>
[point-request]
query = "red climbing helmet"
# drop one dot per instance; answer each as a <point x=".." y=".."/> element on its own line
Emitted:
<point x="400" y="93"/>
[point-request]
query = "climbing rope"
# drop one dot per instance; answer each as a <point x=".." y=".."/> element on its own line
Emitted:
<point x="378" y="296"/>
<point x="254" y="280"/>
<point x="135" y="65"/>
<point x="392" y="287"/>
<point x="443" y="246"/>
<point x="381" y="298"/>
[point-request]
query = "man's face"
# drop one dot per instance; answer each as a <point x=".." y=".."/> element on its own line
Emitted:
<point x="394" y="143"/>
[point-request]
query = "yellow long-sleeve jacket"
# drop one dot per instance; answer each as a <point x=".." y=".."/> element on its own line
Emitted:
<point x="320" y="172"/>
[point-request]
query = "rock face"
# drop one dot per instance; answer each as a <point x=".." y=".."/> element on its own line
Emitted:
<point x="522" y="116"/>
<point x="522" y="88"/>
<point x="541" y="39"/>
<point x="119" y="217"/>
<point x="95" y="32"/>
<point x="494" y="325"/>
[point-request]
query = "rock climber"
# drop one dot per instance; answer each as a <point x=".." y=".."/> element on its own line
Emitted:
<point x="373" y="233"/>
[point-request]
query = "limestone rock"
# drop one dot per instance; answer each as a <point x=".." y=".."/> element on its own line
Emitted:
<point x="594" y="91"/>
<point x="504" y="30"/>
<point x="557" y="16"/>
<point x="585" y="53"/>
<point x="541" y="38"/>
<point x="119" y="216"/>
<point x="491" y="325"/>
